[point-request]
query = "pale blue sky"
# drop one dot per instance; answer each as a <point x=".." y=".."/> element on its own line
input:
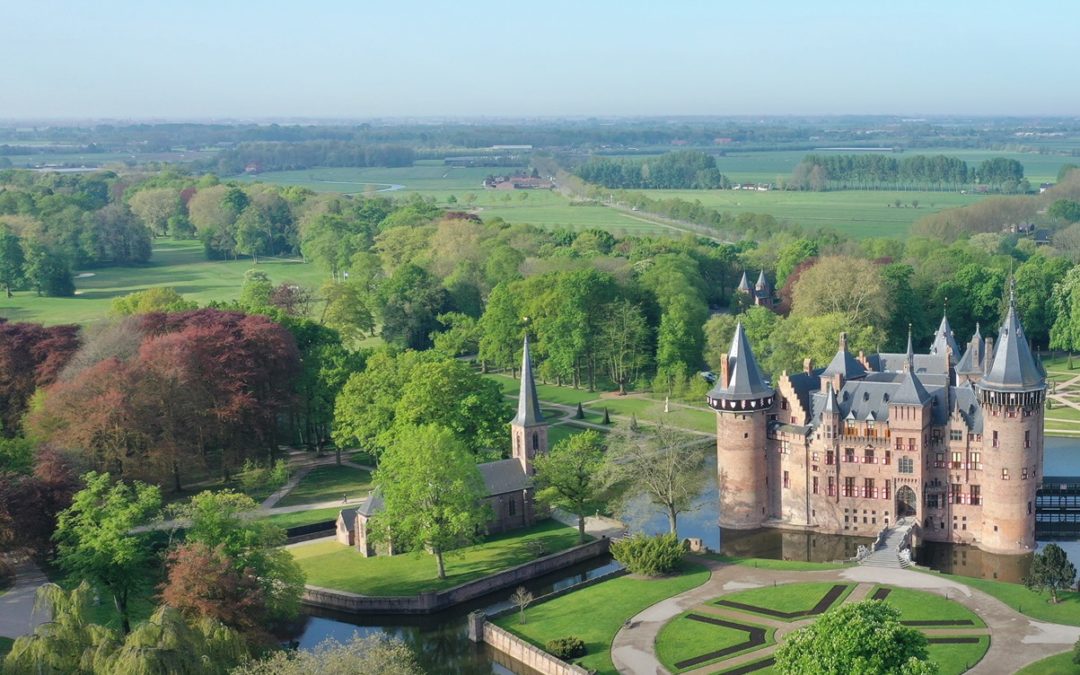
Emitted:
<point x="227" y="58"/>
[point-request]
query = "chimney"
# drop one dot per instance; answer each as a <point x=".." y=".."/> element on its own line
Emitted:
<point x="988" y="355"/>
<point x="843" y="342"/>
<point x="808" y="366"/>
<point x="725" y="375"/>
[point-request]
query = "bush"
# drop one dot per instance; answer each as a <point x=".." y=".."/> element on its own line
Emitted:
<point x="566" y="648"/>
<point x="256" y="476"/>
<point x="649" y="556"/>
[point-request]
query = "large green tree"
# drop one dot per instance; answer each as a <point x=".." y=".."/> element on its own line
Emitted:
<point x="569" y="476"/>
<point x="862" y="638"/>
<point x="1051" y="571"/>
<point x="432" y="493"/>
<point x="97" y="538"/>
<point x="409" y="302"/>
<point x="12" y="260"/>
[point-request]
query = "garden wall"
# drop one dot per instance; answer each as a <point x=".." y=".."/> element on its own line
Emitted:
<point x="436" y="601"/>
<point x="526" y="654"/>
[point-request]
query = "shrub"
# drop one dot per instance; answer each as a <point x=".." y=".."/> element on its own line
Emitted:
<point x="570" y="647"/>
<point x="649" y="556"/>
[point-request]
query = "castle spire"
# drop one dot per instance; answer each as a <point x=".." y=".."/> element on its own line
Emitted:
<point x="1013" y="368"/>
<point x="762" y="282"/>
<point x="831" y="406"/>
<point x="744" y="380"/>
<point x="944" y="341"/>
<point x="528" y="412"/>
<point x="744" y="284"/>
<point x="909" y="360"/>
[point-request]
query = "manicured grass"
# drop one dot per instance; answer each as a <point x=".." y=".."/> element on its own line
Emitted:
<point x="682" y="638"/>
<point x="329" y="483"/>
<point x="953" y="659"/>
<point x="922" y="606"/>
<point x="787" y="597"/>
<point x="332" y="565"/>
<point x="561" y="432"/>
<point x="1059" y="664"/>
<point x="769" y="564"/>
<point x="298" y="518"/>
<point x="180" y="264"/>
<point x="1030" y="603"/>
<point x="595" y="614"/>
<point x="650" y="410"/>
<point x="548" y="393"/>
<point x="362" y="457"/>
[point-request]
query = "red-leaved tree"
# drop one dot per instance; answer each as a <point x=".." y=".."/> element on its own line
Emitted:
<point x="31" y="356"/>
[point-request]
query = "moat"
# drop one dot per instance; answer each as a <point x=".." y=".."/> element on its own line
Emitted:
<point x="443" y="647"/>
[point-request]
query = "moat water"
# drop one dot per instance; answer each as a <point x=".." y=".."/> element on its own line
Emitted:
<point x="442" y="646"/>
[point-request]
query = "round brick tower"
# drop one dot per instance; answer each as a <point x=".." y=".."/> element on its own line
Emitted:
<point x="1011" y="394"/>
<point x="742" y="400"/>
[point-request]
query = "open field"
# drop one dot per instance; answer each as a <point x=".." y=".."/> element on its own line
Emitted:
<point x="606" y="605"/>
<point x="179" y="264"/>
<point x="329" y="483"/>
<point x="333" y="565"/>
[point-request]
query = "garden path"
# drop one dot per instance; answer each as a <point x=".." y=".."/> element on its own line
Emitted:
<point x="17" y="615"/>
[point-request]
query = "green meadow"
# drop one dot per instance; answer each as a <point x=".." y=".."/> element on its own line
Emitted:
<point x="179" y="264"/>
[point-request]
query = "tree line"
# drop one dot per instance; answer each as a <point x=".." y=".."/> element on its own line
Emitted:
<point x="291" y="155"/>
<point x="873" y="171"/>
<point x="680" y="170"/>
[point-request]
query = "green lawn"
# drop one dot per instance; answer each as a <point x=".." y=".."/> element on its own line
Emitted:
<point x="548" y="393"/>
<point x="362" y="457"/>
<point x="786" y="597"/>
<point x="1030" y="603"/>
<point x="5" y="646"/>
<point x="953" y="659"/>
<point x="332" y="565"/>
<point x="299" y="518"/>
<point x="921" y="606"/>
<point x="329" y="483"/>
<point x="561" y="432"/>
<point x="595" y="614"/>
<point x="651" y="410"/>
<point x="769" y="564"/>
<point x="179" y="264"/>
<point x="682" y="638"/>
<point x="1059" y="664"/>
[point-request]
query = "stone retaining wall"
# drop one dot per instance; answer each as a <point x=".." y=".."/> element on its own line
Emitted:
<point x="524" y="653"/>
<point x="435" y="601"/>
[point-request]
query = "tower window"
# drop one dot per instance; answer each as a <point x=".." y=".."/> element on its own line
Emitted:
<point x="815" y="484"/>
<point x="787" y="480"/>
<point x="976" y="496"/>
<point x="536" y="441"/>
<point x="956" y="434"/>
<point x="907" y="465"/>
<point x="1004" y="474"/>
<point x="1027" y="438"/>
<point x="995" y="443"/>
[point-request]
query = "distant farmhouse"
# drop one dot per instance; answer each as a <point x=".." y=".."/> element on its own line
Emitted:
<point x="508" y="482"/>
<point x="519" y="181"/>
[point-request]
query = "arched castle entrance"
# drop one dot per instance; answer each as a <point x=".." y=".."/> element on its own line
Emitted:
<point x="906" y="502"/>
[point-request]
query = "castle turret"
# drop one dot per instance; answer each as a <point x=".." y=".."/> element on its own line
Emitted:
<point x="744" y="284"/>
<point x="1011" y="393"/>
<point x="945" y="342"/>
<point x="742" y="400"/>
<point x="528" y="429"/>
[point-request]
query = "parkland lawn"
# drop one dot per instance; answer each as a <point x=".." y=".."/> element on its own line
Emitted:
<point x="1028" y="602"/>
<point x="298" y="518"/>
<point x="329" y="483"/>
<point x="683" y="639"/>
<point x="1059" y="664"/>
<point x="333" y="565"/>
<point x="596" y="613"/>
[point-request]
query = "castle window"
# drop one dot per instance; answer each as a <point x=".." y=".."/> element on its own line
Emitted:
<point x="956" y="434"/>
<point x="849" y="486"/>
<point x="957" y="496"/>
<point x="976" y="496"/>
<point x="887" y="493"/>
<point x="907" y="465"/>
<point x="995" y="444"/>
<point x="976" y="461"/>
<point x="787" y="480"/>
<point x="957" y="460"/>
<point x="888" y="457"/>
<point x="536" y="441"/>
<point x="932" y="501"/>
<point x="1023" y="473"/>
<point x="1029" y="508"/>
<point x="815" y="456"/>
<point x="899" y="443"/>
<point x="829" y="459"/>
<point x="1004" y="474"/>
<point x="868" y="488"/>
<point x="849" y="454"/>
<point x="832" y="486"/>
<point x="1027" y="438"/>
<point x="911" y="444"/>
<point x="815" y="484"/>
<point x="783" y="404"/>
<point x="868" y="456"/>
<point x="512" y="507"/>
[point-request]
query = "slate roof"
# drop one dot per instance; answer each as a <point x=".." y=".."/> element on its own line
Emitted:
<point x="762" y="282"/>
<point x="971" y="361"/>
<point x="373" y="505"/>
<point x="924" y="363"/>
<point x="831" y="406"/>
<point x="528" y="412"/>
<point x="943" y="339"/>
<point x="744" y="377"/>
<point x="744" y="283"/>
<point x="1013" y="368"/>
<point x="911" y="391"/>
<point x="348" y="515"/>
<point x="846" y="365"/>
<point x="857" y="399"/>
<point x="502" y="476"/>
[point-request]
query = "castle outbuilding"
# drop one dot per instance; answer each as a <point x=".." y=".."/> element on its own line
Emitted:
<point x="953" y="441"/>
<point x="507" y="482"/>
<point x="760" y="294"/>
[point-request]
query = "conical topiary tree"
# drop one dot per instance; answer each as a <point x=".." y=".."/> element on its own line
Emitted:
<point x="607" y="417"/>
<point x="580" y="414"/>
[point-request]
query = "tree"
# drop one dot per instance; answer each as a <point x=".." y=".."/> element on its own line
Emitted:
<point x="256" y="289"/>
<point x="863" y="637"/>
<point x="167" y="643"/>
<point x="96" y="538"/>
<point x="64" y="644"/>
<point x="501" y="328"/>
<point x="205" y="582"/>
<point x="662" y="463"/>
<point x="569" y="475"/>
<point x="844" y="284"/>
<point x="375" y="654"/>
<point x="12" y="260"/>
<point x="1051" y="571"/>
<point x="409" y="302"/>
<point x="432" y="493"/>
<point x="156" y="299"/>
<point x="48" y="272"/>
<point x="253" y="235"/>
<point x="155" y="206"/>
<point x="31" y="358"/>
<point x="217" y="521"/>
<point x="461" y="337"/>
<point x="521" y="598"/>
<point x="348" y="309"/>
<point x="623" y="341"/>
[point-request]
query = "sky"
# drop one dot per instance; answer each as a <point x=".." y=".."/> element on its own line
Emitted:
<point x="215" y="59"/>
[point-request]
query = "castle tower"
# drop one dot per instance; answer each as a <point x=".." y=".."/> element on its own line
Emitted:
<point x="1011" y="393"/>
<point x="742" y="400"/>
<point x="945" y="342"/>
<point x="909" y="418"/>
<point x="744" y="284"/>
<point x="528" y="429"/>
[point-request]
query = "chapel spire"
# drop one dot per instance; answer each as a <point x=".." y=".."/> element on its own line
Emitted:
<point x="528" y="412"/>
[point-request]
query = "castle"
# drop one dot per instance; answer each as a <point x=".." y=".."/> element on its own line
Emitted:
<point x="758" y="295"/>
<point x="507" y="482"/>
<point x="952" y="440"/>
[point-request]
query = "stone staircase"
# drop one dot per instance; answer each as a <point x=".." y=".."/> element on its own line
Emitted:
<point x="888" y="553"/>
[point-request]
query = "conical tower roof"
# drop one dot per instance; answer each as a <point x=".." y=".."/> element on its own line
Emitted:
<point x="844" y="363"/>
<point x="744" y="283"/>
<point x="909" y="355"/>
<point x="944" y="340"/>
<point x="911" y="391"/>
<point x="762" y="282"/>
<point x="744" y="376"/>
<point x="1013" y="368"/>
<point x="832" y="407"/>
<point x="528" y="412"/>
<point x="971" y="361"/>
